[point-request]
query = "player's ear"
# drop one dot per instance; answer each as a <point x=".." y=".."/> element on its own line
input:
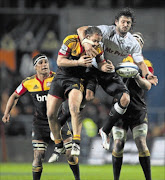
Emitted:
<point x="116" y="21"/>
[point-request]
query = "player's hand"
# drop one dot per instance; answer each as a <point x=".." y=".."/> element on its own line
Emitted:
<point x="6" y="118"/>
<point x="152" y="79"/>
<point x="89" y="95"/>
<point x="108" y="67"/>
<point x="90" y="51"/>
<point x="85" y="61"/>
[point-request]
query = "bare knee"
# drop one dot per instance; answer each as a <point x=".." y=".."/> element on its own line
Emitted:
<point x="125" y="100"/>
<point x="118" y="145"/>
<point x="39" y="156"/>
<point x="141" y="144"/>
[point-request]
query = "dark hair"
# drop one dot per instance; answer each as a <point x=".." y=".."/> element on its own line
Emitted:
<point x="93" y="30"/>
<point x="128" y="12"/>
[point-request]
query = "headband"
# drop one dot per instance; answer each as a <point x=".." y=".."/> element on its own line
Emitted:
<point x="39" y="59"/>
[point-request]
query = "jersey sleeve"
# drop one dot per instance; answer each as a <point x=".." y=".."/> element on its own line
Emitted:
<point x="137" y="54"/>
<point x="67" y="45"/>
<point x="21" y="89"/>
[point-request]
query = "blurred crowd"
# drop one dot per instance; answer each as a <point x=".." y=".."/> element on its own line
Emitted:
<point x="22" y="37"/>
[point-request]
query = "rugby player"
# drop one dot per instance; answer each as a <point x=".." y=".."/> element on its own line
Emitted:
<point x="118" y="44"/>
<point x="70" y="81"/>
<point x="38" y="86"/>
<point x="135" y="118"/>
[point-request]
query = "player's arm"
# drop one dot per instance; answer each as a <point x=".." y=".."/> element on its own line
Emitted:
<point x="64" y="61"/>
<point x="90" y="51"/>
<point x="147" y="74"/>
<point x="12" y="101"/>
<point x="142" y="82"/>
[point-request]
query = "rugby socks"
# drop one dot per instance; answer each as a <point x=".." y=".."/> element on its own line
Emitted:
<point x="37" y="171"/>
<point x="58" y="143"/>
<point x="75" y="168"/>
<point x="145" y="164"/>
<point x="76" y="139"/>
<point x="117" y="161"/>
<point x="116" y="112"/>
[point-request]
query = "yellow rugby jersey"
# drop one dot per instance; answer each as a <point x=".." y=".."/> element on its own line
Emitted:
<point x="72" y="49"/>
<point x="38" y="91"/>
<point x="146" y="61"/>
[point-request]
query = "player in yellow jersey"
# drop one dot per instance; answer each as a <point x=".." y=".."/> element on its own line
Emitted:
<point x="135" y="118"/>
<point x="70" y="83"/>
<point x="38" y="86"/>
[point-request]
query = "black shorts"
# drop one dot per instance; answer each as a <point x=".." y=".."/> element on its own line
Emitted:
<point x="40" y="130"/>
<point x="132" y="119"/>
<point x="60" y="87"/>
<point x="65" y="131"/>
<point x="112" y="83"/>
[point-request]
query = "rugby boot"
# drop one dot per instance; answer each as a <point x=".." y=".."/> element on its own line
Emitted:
<point x="105" y="139"/>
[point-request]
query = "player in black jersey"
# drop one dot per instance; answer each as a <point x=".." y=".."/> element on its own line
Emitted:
<point x="70" y="83"/>
<point x="38" y="86"/>
<point x="136" y="119"/>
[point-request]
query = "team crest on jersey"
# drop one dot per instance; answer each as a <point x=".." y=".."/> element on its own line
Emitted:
<point x="68" y="133"/>
<point x="48" y="84"/>
<point x="75" y="85"/>
<point x="35" y="87"/>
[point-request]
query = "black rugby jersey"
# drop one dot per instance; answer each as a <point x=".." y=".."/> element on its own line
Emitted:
<point x="72" y="49"/>
<point x="38" y="91"/>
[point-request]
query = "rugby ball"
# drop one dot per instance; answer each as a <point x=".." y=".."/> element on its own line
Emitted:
<point x="127" y="69"/>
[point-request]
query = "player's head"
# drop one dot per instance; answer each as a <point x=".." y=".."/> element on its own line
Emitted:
<point x="93" y="34"/>
<point x="139" y="37"/>
<point x="41" y="64"/>
<point x="124" y="21"/>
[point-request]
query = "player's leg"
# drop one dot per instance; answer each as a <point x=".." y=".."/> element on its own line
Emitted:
<point x="53" y="105"/>
<point x="39" y="148"/>
<point x="75" y="99"/>
<point x="119" y="136"/>
<point x="114" y="87"/>
<point x="72" y="160"/>
<point x="139" y="135"/>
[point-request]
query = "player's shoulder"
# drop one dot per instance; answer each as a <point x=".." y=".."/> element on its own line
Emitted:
<point x="148" y="63"/>
<point x="28" y="79"/>
<point x="71" y="39"/>
<point x="132" y="40"/>
<point x="52" y="74"/>
<point x="107" y="29"/>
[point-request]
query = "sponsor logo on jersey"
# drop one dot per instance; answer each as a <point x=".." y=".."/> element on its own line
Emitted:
<point x="19" y="88"/>
<point x="109" y="50"/>
<point x="41" y="98"/>
<point x="35" y="87"/>
<point x="63" y="49"/>
<point x="75" y="85"/>
<point x="48" y="84"/>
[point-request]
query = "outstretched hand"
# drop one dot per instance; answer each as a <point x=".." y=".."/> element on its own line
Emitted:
<point x="152" y="79"/>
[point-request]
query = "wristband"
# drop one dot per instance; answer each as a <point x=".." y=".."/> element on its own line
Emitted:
<point x="146" y="75"/>
<point x="87" y="41"/>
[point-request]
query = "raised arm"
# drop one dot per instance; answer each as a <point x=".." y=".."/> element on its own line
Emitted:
<point x="10" y="104"/>
<point x="142" y="82"/>
<point x="147" y="74"/>
<point x="90" y="51"/>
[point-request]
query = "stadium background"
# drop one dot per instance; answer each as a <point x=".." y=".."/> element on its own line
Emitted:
<point x="31" y="26"/>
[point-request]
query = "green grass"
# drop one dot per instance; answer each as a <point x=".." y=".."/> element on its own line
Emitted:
<point x="59" y="171"/>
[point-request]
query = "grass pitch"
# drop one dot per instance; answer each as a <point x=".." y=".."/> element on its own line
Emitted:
<point x="60" y="171"/>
